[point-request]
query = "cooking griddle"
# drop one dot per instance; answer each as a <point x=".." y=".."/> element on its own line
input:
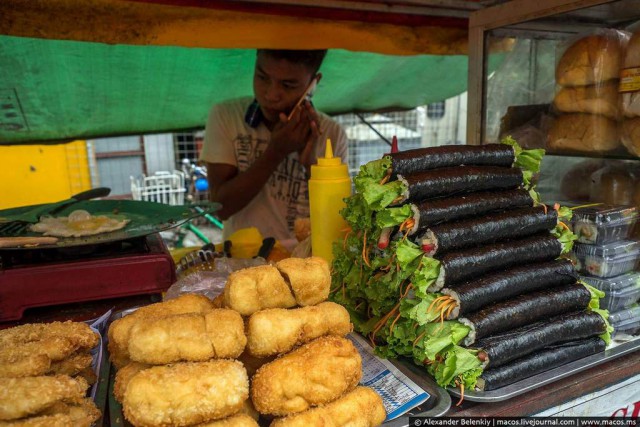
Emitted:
<point x="144" y="218"/>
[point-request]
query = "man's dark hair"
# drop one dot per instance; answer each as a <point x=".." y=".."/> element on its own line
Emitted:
<point x="312" y="59"/>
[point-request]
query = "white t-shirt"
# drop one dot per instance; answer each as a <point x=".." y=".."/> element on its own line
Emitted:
<point x="230" y="140"/>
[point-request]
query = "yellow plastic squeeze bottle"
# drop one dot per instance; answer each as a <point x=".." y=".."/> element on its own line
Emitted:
<point x="328" y="186"/>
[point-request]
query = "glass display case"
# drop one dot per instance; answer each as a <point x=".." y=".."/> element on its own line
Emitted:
<point x="557" y="86"/>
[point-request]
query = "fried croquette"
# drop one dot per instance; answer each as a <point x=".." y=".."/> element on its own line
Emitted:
<point x="192" y="337"/>
<point x="275" y="331"/>
<point x="58" y="420"/>
<point x="18" y="362"/>
<point x="309" y="278"/>
<point x="120" y="329"/>
<point x="185" y="393"/>
<point x="237" y="420"/>
<point x="314" y="374"/>
<point x="256" y="288"/>
<point x="79" y="334"/>
<point x="83" y="413"/>
<point x="361" y="407"/>
<point x="123" y="376"/>
<point x="72" y="365"/>
<point x="21" y="397"/>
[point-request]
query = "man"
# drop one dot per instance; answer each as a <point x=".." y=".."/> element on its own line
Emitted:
<point x="259" y="152"/>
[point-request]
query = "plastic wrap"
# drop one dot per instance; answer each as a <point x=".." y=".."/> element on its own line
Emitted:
<point x="210" y="283"/>
<point x="587" y="101"/>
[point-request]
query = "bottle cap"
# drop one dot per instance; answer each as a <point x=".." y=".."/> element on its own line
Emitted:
<point x="329" y="167"/>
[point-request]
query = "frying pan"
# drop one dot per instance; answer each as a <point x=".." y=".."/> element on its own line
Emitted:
<point x="144" y="218"/>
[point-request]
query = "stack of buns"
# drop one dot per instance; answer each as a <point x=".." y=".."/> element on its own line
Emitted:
<point x="588" y="101"/>
<point x="630" y="88"/>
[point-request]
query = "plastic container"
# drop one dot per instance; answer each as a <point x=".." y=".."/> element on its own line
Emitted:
<point x="620" y="291"/>
<point x="599" y="225"/>
<point x="607" y="260"/>
<point x="329" y="185"/>
<point x="625" y="322"/>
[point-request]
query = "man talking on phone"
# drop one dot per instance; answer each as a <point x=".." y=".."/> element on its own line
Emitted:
<point x="259" y="151"/>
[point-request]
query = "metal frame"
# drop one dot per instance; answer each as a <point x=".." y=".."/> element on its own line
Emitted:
<point x="511" y="13"/>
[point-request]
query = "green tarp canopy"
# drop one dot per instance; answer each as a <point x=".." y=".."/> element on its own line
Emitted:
<point x="60" y="90"/>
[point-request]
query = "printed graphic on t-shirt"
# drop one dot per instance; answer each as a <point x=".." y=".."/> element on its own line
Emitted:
<point x="287" y="184"/>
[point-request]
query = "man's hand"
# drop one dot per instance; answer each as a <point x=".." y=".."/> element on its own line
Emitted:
<point x="299" y="134"/>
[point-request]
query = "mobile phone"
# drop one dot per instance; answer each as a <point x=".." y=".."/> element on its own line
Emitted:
<point x="308" y="93"/>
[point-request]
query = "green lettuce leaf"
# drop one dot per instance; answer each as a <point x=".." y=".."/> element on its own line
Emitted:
<point x="565" y="237"/>
<point x="390" y="217"/>
<point x="459" y="362"/>
<point x="425" y="275"/>
<point x="527" y="160"/>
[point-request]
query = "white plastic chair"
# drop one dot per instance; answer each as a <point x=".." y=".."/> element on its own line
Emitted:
<point x="162" y="187"/>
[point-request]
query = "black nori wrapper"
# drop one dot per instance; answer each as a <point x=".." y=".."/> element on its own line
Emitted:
<point x="536" y="363"/>
<point x="461" y="179"/>
<point x="477" y="293"/>
<point x="453" y="208"/>
<point x="474" y="262"/>
<point x="520" y="342"/>
<point x="422" y="159"/>
<point x="528" y="308"/>
<point x="493" y="227"/>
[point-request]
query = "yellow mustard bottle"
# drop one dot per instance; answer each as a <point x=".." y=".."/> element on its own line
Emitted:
<point x="329" y="185"/>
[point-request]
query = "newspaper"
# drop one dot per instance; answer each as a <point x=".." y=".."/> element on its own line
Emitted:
<point x="399" y="394"/>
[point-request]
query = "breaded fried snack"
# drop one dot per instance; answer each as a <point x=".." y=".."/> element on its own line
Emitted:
<point x="72" y="365"/>
<point x="185" y="393"/>
<point x="83" y="413"/>
<point x="21" y="397"/>
<point x="57" y="420"/>
<point x="237" y="420"/>
<point x="18" y="362"/>
<point x="192" y="337"/>
<point x="78" y="333"/>
<point x="256" y="288"/>
<point x="120" y="329"/>
<point x="278" y="330"/>
<point x="32" y="349"/>
<point x="309" y="278"/>
<point x="314" y="374"/>
<point x="123" y="376"/>
<point x="361" y="407"/>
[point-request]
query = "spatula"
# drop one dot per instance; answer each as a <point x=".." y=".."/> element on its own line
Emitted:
<point x="32" y="214"/>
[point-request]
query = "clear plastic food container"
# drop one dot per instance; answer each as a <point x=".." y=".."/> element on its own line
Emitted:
<point x="625" y="322"/>
<point x="602" y="224"/>
<point x="607" y="260"/>
<point x="620" y="291"/>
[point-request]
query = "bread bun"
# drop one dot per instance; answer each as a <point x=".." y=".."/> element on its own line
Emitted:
<point x="583" y="133"/>
<point x="600" y="99"/>
<point x="592" y="59"/>
<point x="631" y="100"/>
<point x="631" y="135"/>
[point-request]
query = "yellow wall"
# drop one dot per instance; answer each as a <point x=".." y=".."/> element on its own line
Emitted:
<point x="35" y="174"/>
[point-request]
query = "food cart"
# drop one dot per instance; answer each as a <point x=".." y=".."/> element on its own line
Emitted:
<point x="607" y="384"/>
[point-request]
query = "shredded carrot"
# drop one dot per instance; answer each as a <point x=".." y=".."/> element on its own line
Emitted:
<point x="397" y="200"/>
<point x="346" y="236"/>
<point x="434" y="301"/>
<point x="418" y="338"/>
<point x="461" y="394"/>
<point x="365" y="255"/>
<point x="385" y="179"/>
<point x="451" y="307"/>
<point x="394" y="323"/>
<point x="383" y="321"/>
<point x="563" y="225"/>
<point x="556" y="206"/>
<point x="545" y="208"/>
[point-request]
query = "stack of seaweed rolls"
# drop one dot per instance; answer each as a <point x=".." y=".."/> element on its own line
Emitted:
<point x="452" y="260"/>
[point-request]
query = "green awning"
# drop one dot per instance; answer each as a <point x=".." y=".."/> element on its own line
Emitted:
<point x="54" y="90"/>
